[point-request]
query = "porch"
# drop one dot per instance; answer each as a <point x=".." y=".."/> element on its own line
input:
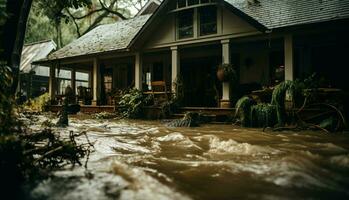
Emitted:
<point x="260" y="62"/>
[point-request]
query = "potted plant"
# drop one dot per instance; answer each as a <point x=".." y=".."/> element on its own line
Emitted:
<point x="226" y="72"/>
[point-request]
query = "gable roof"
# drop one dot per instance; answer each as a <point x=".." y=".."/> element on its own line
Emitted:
<point x="149" y="8"/>
<point x="34" y="52"/>
<point x="284" y="13"/>
<point x="262" y="14"/>
<point x="104" y="38"/>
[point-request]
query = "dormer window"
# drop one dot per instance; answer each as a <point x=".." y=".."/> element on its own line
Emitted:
<point x="185" y="23"/>
<point x="193" y="2"/>
<point x="208" y="20"/>
<point x="181" y="3"/>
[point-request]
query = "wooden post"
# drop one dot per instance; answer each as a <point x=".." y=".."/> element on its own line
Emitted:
<point x="52" y="82"/>
<point x="73" y="80"/>
<point x="96" y="82"/>
<point x="289" y="70"/>
<point x="226" y="59"/>
<point x="175" y="66"/>
<point x="138" y="72"/>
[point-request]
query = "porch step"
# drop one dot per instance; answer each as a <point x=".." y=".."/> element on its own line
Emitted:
<point x="214" y="115"/>
<point x="207" y="110"/>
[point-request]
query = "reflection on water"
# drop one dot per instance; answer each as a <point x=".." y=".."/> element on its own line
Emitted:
<point x="146" y="160"/>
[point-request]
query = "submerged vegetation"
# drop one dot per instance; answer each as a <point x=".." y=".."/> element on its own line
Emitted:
<point x="132" y="103"/>
<point x="288" y="100"/>
<point x="38" y="104"/>
<point x="28" y="155"/>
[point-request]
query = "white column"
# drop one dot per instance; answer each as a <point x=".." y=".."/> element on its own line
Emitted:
<point x="289" y="70"/>
<point x="96" y="82"/>
<point x="52" y="82"/>
<point x="175" y="65"/>
<point x="225" y="102"/>
<point x="73" y="80"/>
<point x="138" y="72"/>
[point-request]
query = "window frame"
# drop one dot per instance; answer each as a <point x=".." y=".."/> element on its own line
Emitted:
<point x="200" y="11"/>
<point x="77" y="80"/>
<point x="192" y="26"/>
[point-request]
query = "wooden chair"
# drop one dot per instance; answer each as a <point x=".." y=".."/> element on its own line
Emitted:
<point x="160" y="91"/>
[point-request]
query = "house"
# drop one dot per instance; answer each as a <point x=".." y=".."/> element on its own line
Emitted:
<point x="190" y="38"/>
<point x="34" y="79"/>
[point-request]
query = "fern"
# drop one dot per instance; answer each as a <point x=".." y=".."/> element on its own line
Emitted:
<point x="242" y="109"/>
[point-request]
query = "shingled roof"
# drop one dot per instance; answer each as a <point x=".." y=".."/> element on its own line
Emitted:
<point x="34" y="52"/>
<point x="104" y="38"/>
<point x="282" y="13"/>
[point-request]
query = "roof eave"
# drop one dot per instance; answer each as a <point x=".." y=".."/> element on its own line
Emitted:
<point x="47" y="62"/>
<point x="246" y="17"/>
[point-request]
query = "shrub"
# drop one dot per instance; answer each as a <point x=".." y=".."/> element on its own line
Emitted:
<point x="132" y="102"/>
<point x="38" y="104"/>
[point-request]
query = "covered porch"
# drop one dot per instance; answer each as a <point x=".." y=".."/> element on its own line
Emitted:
<point x="260" y="62"/>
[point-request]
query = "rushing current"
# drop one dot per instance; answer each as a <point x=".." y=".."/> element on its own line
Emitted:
<point x="147" y="160"/>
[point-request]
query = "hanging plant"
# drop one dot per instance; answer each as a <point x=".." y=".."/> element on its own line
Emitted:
<point x="226" y="72"/>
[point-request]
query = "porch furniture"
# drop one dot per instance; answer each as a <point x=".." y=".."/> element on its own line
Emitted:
<point x="160" y="91"/>
<point x="84" y="95"/>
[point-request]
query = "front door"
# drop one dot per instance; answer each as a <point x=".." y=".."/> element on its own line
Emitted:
<point x="201" y="88"/>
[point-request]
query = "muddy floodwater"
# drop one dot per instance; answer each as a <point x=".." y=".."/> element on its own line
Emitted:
<point x="147" y="160"/>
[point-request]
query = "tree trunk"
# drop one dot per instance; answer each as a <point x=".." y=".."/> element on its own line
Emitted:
<point x="58" y="34"/>
<point x="13" y="36"/>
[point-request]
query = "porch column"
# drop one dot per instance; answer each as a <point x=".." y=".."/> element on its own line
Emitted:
<point x="96" y="82"/>
<point x="225" y="101"/>
<point x="176" y="66"/>
<point x="52" y="82"/>
<point x="138" y="72"/>
<point x="288" y="45"/>
<point x="73" y="80"/>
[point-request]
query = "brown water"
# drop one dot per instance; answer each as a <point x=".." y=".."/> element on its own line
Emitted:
<point x="146" y="160"/>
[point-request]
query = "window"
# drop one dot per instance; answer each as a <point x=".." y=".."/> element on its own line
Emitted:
<point x="185" y="24"/>
<point x="193" y="2"/>
<point x="82" y="79"/>
<point x="182" y="3"/>
<point x="208" y="20"/>
<point x="108" y="80"/>
<point x="64" y="80"/>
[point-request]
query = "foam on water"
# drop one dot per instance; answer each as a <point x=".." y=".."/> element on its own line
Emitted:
<point x="218" y="146"/>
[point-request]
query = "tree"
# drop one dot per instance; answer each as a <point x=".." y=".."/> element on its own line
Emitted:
<point x="14" y="160"/>
<point x="12" y="29"/>
<point x="77" y="22"/>
<point x="54" y="10"/>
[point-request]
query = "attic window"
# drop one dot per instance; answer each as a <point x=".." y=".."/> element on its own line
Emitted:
<point x="181" y="3"/>
<point x="185" y="24"/>
<point x="193" y="2"/>
<point x="208" y="20"/>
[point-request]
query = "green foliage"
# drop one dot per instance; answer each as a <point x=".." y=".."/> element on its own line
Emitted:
<point x="132" y="103"/>
<point x="243" y="110"/>
<point x="38" y="104"/>
<point x="263" y="115"/>
<point x="54" y="10"/>
<point x="292" y="89"/>
<point x="176" y="101"/>
<point x="3" y="14"/>
<point x="6" y="99"/>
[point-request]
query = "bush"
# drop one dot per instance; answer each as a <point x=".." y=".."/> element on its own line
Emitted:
<point x="132" y="102"/>
<point x="39" y="104"/>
